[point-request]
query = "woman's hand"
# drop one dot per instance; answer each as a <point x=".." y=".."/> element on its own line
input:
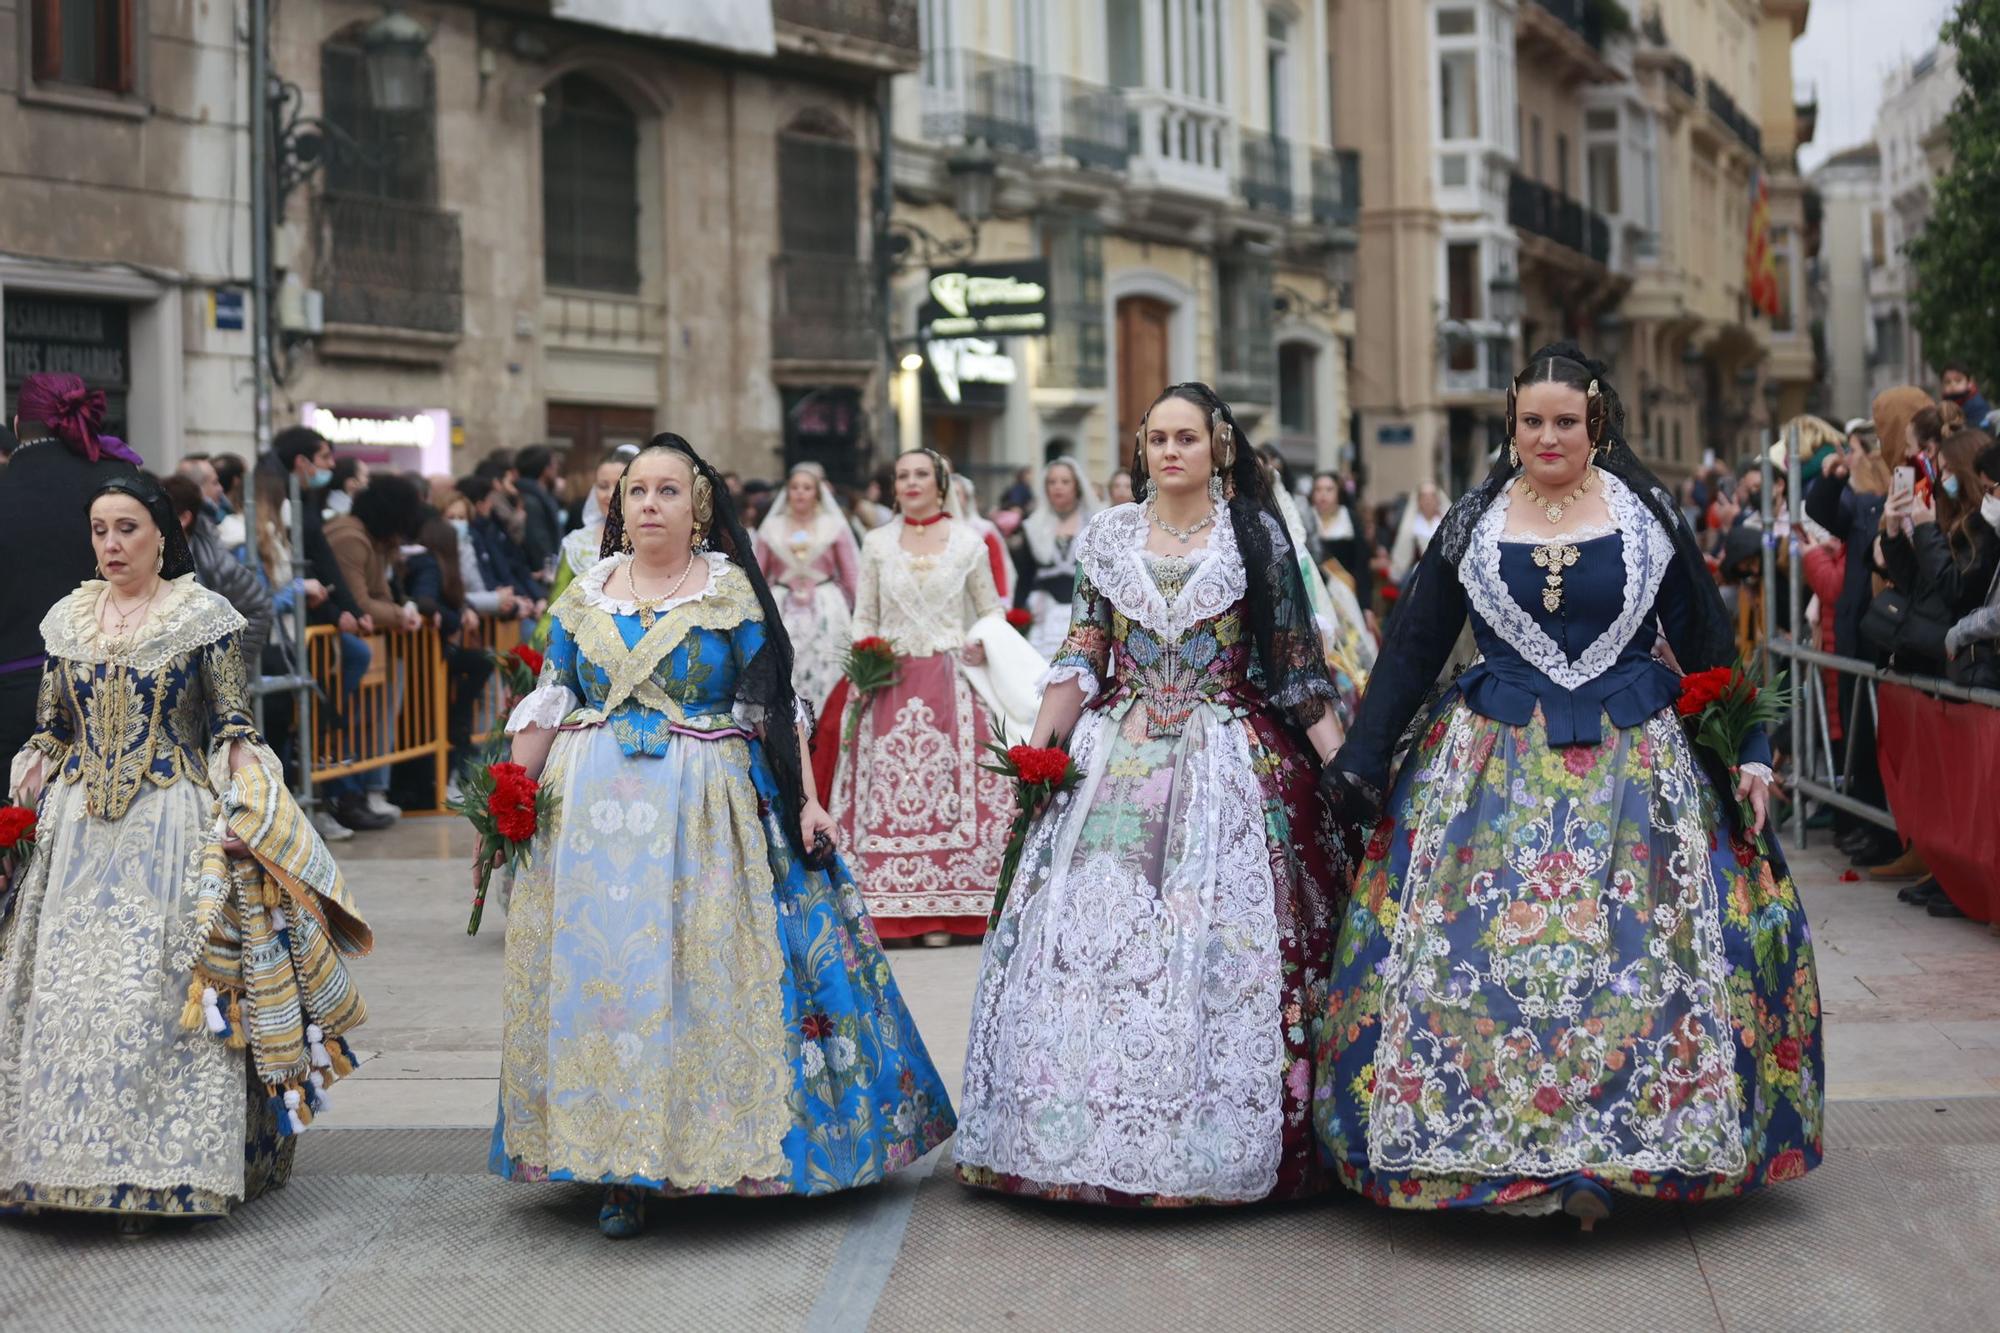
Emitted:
<point x="234" y="847"/>
<point x="973" y="654"/>
<point x="813" y="821"/>
<point x="32" y="781"/>
<point x="1921" y="511"/>
<point x="1755" y="788"/>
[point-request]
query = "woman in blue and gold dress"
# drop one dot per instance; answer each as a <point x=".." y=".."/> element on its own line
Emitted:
<point x="696" y="1002"/>
<point x="1568" y="967"/>
<point x="114" y="1097"/>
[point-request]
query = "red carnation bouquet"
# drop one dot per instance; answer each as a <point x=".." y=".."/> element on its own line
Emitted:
<point x="17" y="840"/>
<point x="519" y="667"/>
<point x="870" y="665"/>
<point x="1020" y="618"/>
<point x="507" y="808"/>
<point x="1724" y="707"/>
<point x="1039" y="772"/>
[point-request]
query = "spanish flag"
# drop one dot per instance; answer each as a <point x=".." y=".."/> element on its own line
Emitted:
<point x="1760" y="280"/>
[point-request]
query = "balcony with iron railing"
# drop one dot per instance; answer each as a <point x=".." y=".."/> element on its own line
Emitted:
<point x="1535" y="208"/>
<point x="890" y="25"/>
<point x="1336" y="187"/>
<point x="1264" y="163"/>
<point x="1724" y="109"/>
<point x="969" y="95"/>
<point x="1092" y="126"/>
<point x="1580" y="17"/>
<point x="387" y="264"/>
<point x="822" y="308"/>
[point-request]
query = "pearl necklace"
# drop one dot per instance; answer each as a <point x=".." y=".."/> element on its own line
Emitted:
<point x="1186" y="534"/>
<point x="1555" y="509"/>
<point x="649" y="607"/>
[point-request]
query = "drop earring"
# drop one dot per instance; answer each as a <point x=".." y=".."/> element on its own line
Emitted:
<point x="1215" y="487"/>
<point x="1513" y="455"/>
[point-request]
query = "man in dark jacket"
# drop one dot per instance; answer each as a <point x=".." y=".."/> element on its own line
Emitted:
<point x="220" y="572"/>
<point x="45" y="548"/>
<point x="304" y="453"/>
<point x="541" y="538"/>
<point x="501" y="563"/>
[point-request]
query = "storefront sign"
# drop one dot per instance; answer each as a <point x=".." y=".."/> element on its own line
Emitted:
<point x="378" y="435"/>
<point x="963" y="367"/>
<point x="988" y="300"/>
<point x="60" y="336"/>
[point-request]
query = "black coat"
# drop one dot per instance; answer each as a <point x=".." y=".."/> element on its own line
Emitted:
<point x="45" y="546"/>
<point x="1853" y="517"/>
<point x="1944" y="583"/>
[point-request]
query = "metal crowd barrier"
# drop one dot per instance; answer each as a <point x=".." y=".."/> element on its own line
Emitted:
<point x="489" y="715"/>
<point x="1820" y="770"/>
<point x="397" y="713"/>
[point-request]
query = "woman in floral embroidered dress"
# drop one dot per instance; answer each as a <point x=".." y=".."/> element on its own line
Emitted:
<point x="695" y="1001"/>
<point x="1567" y="969"/>
<point x="805" y="548"/>
<point x="108" y="1104"/>
<point x="925" y="824"/>
<point x="1139" y="1030"/>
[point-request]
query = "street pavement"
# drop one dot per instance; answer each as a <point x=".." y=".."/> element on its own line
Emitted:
<point x="392" y="1223"/>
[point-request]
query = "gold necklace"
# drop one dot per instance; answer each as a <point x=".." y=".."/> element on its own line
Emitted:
<point x="649" y="607"/>
<point x="124" y="618"/>
<point x="1555" y="509"/>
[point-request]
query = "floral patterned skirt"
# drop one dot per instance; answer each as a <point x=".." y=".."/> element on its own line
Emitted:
<point x="1139" y="1033"/>
<point x="1557" y="964"/>
<point x="688" y="1008"/>
<point x="923" y="824"/>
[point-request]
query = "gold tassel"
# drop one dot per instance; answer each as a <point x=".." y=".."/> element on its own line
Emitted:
<point x="337" y="1053"/>
<point x="191" y="1016"/>
<point x="273" y="895"/>
<point x="237" y="1041"/>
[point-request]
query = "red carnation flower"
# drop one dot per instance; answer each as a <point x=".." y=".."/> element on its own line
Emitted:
<point x="1703" y="688"/>
<point x="1019" y="618"/>
<point x="17" y="825"/>
<point x="1038" y="764"/>
<point x="528" y="657"/>
<point x="874" y="644"/>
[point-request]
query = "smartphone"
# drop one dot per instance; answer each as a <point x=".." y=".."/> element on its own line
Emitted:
<point x="1902" y="481"/>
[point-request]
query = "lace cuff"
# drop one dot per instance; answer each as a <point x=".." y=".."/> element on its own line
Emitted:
<point x="1756" y="771"/>
<point x="544" y="706"/>
<point x="1076" y="671"/>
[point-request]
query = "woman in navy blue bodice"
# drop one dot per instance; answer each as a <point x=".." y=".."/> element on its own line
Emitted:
<point x="1568" y="968"/>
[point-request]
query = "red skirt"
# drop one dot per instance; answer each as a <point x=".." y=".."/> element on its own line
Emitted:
<point x="922" y="826"/>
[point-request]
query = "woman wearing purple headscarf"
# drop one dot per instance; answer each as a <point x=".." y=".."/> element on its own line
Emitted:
<point x="45" y="491"/>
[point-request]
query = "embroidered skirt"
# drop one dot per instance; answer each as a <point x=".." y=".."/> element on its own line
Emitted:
<point x="1139" y="1032"/>
<point x="923" y="825"/>
<point x="1557" y="964"/>
<point x="687" y="1007"/>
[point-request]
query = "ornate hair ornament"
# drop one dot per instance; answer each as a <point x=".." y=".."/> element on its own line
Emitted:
<point x="1225" y="440"/>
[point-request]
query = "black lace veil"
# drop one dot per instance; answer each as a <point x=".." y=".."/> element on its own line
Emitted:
<point x="176" y="559"/>
<point x="1287" y="640"/>
<point x="765" y="682"/>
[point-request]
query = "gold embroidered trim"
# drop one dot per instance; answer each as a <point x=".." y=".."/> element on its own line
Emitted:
<point x="729" y="602"/>
<point x="189" y="617"/>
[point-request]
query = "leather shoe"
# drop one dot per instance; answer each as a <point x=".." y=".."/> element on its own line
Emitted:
<point x="1942" y="906"/>
<point x="1855" y="839"/>
<point x="1907" y="866"/>
<point x="1878" y="853"/>
<point x="1918" y="893"/>
<point x="352" y="810"/>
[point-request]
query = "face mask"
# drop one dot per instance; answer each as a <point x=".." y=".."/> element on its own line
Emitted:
<point x="461" y="526"/>
<point x="1960" y="396"/>
<point x="323" y="477"/>
<point x="1989" y="509"/>
<point x="1950" y="485"/>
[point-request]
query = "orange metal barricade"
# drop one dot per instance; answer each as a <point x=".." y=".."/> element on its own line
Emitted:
<point x="376" y="728"/>
<point x="489" y="715"/>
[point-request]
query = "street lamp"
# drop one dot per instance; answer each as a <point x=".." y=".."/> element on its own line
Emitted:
<point x="972" y="168"/>
<point x="393" y="48"/>
<point x="1504" y="297"/>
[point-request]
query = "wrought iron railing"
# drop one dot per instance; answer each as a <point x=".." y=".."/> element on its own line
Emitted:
<point x="1680" y="73"/>
<point x="1336" y="187"/>
<point x="822" y="308"/>
<point x="1579" y="16"/>
<point x="1725" y="109"/>
<point x="969" y="95"/>
<point x="1534" y="207"/>
<point x="1094" y="129"/>
<point x="890" y="22"/>
<point x="1265" y="171"/>
<point x="389" y="264"/>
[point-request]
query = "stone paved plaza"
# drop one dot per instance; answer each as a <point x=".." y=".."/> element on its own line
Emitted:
<point x="391" y="1222"/>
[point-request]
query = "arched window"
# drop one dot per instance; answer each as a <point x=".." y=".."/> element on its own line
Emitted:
<point x="380" y="154"/>
<point x="590" y="187"/>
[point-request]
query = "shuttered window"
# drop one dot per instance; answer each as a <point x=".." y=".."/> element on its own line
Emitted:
<point x="590" y="188"/>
